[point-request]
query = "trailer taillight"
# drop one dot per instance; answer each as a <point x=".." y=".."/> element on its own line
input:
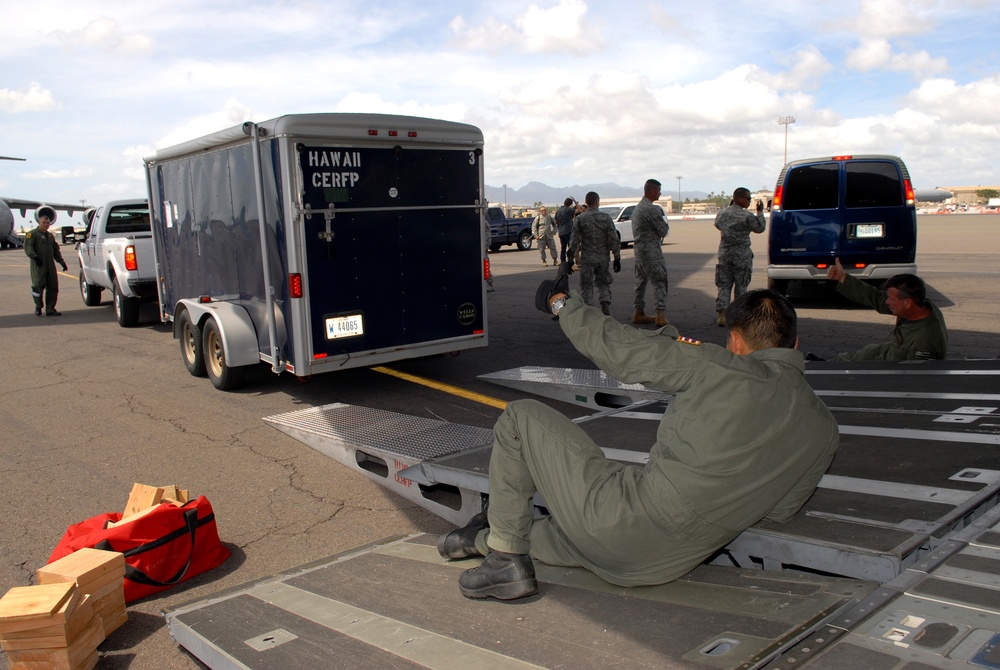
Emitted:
<point x="908" y="187"/>
<point x="295" y="285"/>
<point x="130" y="263"/>
<point x="486" y="268"/>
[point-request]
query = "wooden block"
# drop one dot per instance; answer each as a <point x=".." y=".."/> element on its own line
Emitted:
<point x="142" y="497"/>
<point x="27" y="607"/>
<point x="71" y="657"/>
<point x="173" y="501"/>
<point x="132" y="517"/>
<point x="183" y="496"/>
<point x="111" y="625"/>
<point x="99" y="590"/>
<point x="56" y="636"/>
<point x="170" y="491"/>
<point x="83" y="566"/>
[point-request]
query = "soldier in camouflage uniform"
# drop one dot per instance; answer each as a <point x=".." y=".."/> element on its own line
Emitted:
<point x="594" y="236"/>
<point x="41" y="247"/>
<point x="544" y="230"/>
<point x="564" y="225"/>
<point x="735" y="264"/>
<point x="649" y="228"/>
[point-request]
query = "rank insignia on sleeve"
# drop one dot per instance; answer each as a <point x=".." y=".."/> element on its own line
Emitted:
<point x="689" y="340"/>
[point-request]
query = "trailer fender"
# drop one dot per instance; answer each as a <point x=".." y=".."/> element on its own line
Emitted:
<point x="239" y="338"/>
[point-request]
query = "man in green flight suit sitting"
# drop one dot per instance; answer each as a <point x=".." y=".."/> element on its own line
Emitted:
<point x="744" y="438"/>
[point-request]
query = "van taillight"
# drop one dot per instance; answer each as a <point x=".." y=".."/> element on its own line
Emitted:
<point x="130" y="263"/>
<point x="776" y="200"/>
<point x="908" y="187"/>
<point x="295" y="285"/>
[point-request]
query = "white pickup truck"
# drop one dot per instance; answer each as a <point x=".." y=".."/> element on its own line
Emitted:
<point x="116" y="253"/>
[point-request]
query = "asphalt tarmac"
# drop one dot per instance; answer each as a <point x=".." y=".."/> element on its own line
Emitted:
<point x="89" y="408"/>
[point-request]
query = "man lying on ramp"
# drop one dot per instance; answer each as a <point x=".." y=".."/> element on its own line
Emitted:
<point x="743" y="439"/>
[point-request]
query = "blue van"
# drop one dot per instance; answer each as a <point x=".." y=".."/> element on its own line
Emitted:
<point x="858" y="208"/>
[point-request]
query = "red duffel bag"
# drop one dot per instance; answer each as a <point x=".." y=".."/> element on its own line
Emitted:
<point x="164" y="547"/>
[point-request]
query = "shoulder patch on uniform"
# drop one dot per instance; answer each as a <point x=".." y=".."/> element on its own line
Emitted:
<point x="27" y="236"/>
<point x="689" y="340"/>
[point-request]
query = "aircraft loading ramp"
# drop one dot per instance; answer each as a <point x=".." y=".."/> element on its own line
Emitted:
<point x="893" y="563"/>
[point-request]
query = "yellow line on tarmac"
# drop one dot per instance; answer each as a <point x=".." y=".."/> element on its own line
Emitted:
<point x="446" y="388"/>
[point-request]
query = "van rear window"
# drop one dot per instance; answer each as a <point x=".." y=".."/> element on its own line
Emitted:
<point x="873" y="185"/>
<point x="811" y="187"/>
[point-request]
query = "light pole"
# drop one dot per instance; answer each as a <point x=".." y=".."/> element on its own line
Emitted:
<point x="505" y="210"/>
<point x="680" y="205"/>
<point x="786" y="121"/>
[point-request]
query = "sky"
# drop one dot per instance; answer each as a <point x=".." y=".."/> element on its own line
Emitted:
<point x="566" y="92"/>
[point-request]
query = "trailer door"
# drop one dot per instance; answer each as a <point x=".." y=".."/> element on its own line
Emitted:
<point x="393" y="246"/>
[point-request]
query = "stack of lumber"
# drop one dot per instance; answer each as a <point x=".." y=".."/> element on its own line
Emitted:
<point x="49" y="626"/>
<point x="98" y="574"/>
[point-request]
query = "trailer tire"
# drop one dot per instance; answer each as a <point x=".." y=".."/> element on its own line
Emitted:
<point x="126" y="309"/>
<point x="91" y="293"/>
<point x="223" y="377"/>
<point x="190" y="339"/>
<point x="524" y="240"/>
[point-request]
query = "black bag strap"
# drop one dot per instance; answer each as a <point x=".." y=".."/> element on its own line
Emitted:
<point x="191" y="524"/>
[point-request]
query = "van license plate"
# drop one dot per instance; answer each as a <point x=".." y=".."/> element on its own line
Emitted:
<point x="868" y="230"/>
<point x="351" y="325"/>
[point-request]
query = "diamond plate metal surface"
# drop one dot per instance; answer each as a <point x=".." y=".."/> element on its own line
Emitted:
<point x="375" y="429"/>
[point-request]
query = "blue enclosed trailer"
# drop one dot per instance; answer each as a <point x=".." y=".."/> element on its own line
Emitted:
<point x="370" y="248"/>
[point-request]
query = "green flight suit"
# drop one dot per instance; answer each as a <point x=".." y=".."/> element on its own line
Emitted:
<point x="44" y="278"/>
<point x="926" y="339"/>
<point x="744" y="438"/>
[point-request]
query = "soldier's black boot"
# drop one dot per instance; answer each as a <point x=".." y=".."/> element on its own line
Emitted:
<point x="606" y="308"/>
<point x="461" y="543"/>
<point x="502" y="576"/>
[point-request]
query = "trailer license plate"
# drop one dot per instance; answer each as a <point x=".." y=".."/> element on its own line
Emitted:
<point x="868" y="230"/>
<point x="351" y="325"/>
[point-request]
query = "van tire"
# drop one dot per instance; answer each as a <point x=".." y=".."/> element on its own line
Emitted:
<point x="779" y="286"/>
<point x="189" y="335"/>
<point x="222" y="376"/>
<point x="126" y="309"/>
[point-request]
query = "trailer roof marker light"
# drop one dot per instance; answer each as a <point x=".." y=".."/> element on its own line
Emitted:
<point x="393" y="133"/>
<point x="412" y="133"/>
<point x="373" y="132"/>
<point x="295" y="285"/>
<point x="204" y="299"/>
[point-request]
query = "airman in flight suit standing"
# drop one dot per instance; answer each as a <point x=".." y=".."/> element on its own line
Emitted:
<point x="41" y="247"/>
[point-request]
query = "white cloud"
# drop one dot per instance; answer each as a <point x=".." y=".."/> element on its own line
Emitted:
<point x="233" y="113"/>
<point x="809" y="66"/>
<point x="537" y="29"/>
<point x="875" y="54"/>
<point x="107" y="35"/>
<point x="35" y="99"/>
<point x="84" y="171"/>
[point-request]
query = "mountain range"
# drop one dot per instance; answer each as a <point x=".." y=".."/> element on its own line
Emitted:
<point x="534" y="191"/>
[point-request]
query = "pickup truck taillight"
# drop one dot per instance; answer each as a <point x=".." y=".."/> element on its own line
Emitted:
<point x="130" y="263"/>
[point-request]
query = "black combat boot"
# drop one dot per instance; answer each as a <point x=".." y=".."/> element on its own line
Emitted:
<point x="502" y="576"/>
<point x="461" y="543"/>
<point x="606" y="308"/>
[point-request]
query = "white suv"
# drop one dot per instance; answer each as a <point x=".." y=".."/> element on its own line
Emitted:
<point x="622" y="216"/>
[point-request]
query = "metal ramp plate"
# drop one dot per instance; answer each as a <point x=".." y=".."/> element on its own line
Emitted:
<point x="396" y="604"/>
<point x="380" y="444"/>
<point x="943" y="612"/>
